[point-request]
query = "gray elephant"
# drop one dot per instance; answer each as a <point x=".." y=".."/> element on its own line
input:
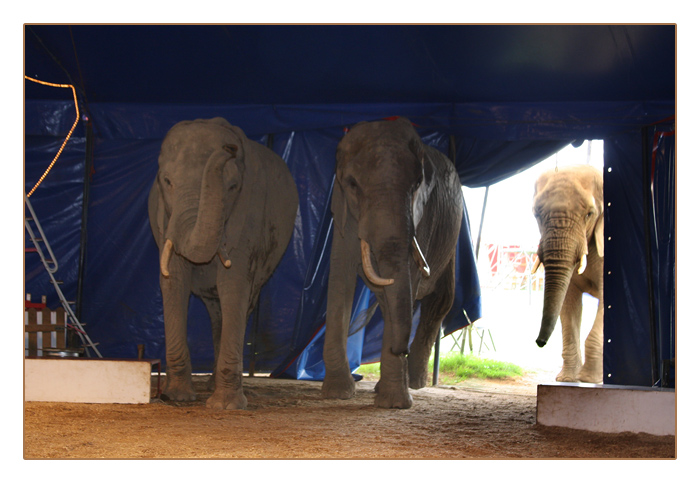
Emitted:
<point x="397" y="208"/>
<point x="222" y="210"/>
<point x="568" y="206"/>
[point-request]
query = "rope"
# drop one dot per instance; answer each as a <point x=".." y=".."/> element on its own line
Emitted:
<point x="70" y="133"/>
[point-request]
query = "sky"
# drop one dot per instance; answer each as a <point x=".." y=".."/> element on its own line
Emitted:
<point x="508" y="219"/>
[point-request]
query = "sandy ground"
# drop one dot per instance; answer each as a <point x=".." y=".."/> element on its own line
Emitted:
<point x="288" y="419"/>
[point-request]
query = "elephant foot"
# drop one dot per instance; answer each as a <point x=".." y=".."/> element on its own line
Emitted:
<point x="227" y="399"/>
<point x="417" y="381"/>
<point x="211" y="383"/>
<point x="568" y="375"/>
<point x="338" y="387"/>
<point x="417" y="375"/>
<point x="180" y="389"/>
<point x="388" y="399"/>
<point x="591" y="374"/>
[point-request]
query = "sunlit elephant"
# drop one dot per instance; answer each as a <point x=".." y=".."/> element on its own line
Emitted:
<point x="568" y="206"/>
<point x="222" y="210"/>
<point x="397" y="207"/>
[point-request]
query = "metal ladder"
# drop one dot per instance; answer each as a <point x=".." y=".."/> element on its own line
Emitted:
<point x="51" y="266"/>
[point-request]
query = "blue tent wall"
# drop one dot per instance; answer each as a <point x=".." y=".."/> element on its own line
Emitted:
<point x="499" y="128"/>
<point x="639" y="256"/>
<point x="122" y="304"/>
<point x="122" y="301"/>
<point x="58" y="204"/>
<point x="662" y="255"/>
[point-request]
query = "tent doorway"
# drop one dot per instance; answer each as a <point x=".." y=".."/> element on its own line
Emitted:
<point x="506" y="237"/>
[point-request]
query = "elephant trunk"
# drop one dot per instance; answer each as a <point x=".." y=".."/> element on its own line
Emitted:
<point x="392" y="252"/>
<point x="559" y="252"/>
<point x="199" y="241"/>
<point x="556" y="283"/>
<point x="203" y="240"/>
<point x="399" y="314"/>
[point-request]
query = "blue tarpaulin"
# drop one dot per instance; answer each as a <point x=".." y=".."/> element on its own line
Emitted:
<point x="504" y="107"/>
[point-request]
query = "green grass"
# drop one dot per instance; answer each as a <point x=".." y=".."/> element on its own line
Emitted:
<point x="455" y="368"/>
<point x="370" y="371"/>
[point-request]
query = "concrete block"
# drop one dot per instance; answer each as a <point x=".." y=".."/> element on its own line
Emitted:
<point x="87" y="380"/>
<point x="607" y="408"/>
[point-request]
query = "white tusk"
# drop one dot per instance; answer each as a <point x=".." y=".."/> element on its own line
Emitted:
<point x="367" y="267"/>
<point x="537" y="264"/>
<point x="420" y="259"/>
<point x="165" y="257"/>
<point x="582" y="267"/>
<point x="226" y="262"/>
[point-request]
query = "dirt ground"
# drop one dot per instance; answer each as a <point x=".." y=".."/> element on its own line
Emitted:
<point x="287" y="419"/>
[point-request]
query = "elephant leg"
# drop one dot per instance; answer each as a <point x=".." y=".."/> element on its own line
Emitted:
<point x="176" y="295"/>
<point x="228" y="394"/>
<point x="338" y="382"/>
<point x="592" y="370"/>
<point x="571" y="335"/>
<point x="214" y="309"/>
<point x="434" y="308"/>
<point x="392" y="388"/>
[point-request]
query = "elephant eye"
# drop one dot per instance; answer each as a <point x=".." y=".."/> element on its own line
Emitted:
<point x="351" y="182"/>
<point x="166" y="181"/>
<point x="589" y="214"/>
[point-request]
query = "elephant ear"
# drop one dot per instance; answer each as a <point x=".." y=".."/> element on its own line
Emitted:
<point x="422" y="193"/>
<point x="599" y="234"/>
<point x="599" y="229"/>
<point x="339" y="207"/>
<point x="157" y="215"/>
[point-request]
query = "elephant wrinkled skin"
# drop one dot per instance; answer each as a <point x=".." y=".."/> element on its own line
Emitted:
<point x="568" y="206"/>
<point x="397" y="208"/>
<point x="222" y="210"/>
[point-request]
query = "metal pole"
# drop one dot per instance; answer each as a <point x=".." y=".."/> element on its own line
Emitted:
<point x="84" y="221"/>
<point x="478" y="246"/>
<point x="647" y="176"/>
<point x="481" y="222"/>
<point x="436" y="360"/>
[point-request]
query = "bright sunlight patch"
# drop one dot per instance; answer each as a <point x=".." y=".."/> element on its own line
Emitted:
<point x="455" y="368"/>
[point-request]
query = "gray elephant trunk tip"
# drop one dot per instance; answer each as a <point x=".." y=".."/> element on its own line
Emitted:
<point x="541" y="342"/>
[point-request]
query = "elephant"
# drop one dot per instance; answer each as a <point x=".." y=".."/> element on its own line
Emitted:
<point x="568" y="207"/>
<point x="397" y="208"/>
<point x="222" y="210"/>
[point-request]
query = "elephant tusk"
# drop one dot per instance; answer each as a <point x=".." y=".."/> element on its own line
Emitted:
<point x="367" y="267"/>
<point x="165" y="257"/>
<point x="420" y="259"/>
<point x="537" y="264"/>
<point x="224" y="260"/>
<point x="582" y="267"/>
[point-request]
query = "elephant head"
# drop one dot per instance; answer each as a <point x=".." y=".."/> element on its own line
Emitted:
<point x="568" y="206"/>
<point x="381" y="189"/>
<point x="200" y="171"/>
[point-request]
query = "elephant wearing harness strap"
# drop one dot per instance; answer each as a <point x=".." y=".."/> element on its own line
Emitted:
<point x="397" y="208"/>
